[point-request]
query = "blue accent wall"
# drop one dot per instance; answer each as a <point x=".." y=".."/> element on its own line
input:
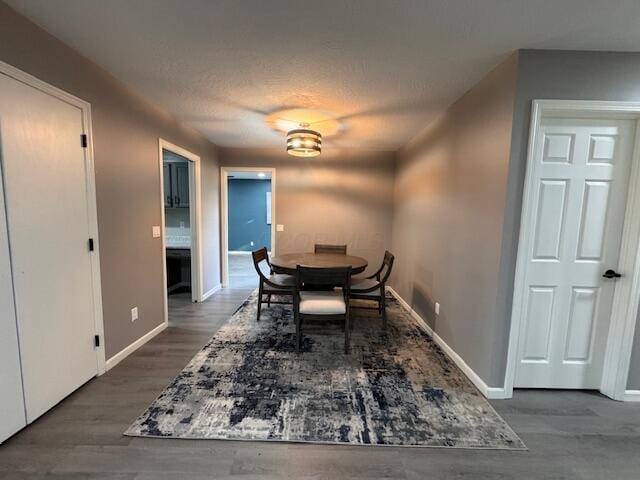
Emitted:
<point x="248" y="214"/>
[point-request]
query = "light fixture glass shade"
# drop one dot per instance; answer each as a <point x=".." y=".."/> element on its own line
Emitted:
<point x="304" y="143"/>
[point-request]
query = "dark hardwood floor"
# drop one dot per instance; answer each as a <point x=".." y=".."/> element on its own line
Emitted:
<point x="571" y="435"/>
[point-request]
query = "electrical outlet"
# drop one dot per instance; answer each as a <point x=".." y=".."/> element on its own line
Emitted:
<point x="155" y="231"/>
<point x="134" y="314"/>
<point x="437" y="308"/>
<point x="279" y="228"/>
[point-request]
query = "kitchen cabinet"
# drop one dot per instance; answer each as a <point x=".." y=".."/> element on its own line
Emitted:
<point x="166" y="169"/>
<point x="176" y="185"/>
<point x="180" y="184"/>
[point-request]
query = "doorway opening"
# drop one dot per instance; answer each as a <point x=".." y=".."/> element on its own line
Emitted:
<point x="181" y="220"/>
<point x="248" y="222"/>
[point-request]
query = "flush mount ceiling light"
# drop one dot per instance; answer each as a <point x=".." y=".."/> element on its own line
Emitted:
<point x="304" y="142"/>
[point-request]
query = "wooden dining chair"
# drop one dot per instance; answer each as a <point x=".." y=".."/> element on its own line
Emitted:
<point x="274" y="284"/>
<point x="325" y="248"/>
<point x="373" y="287"/>
<point x="322" y="304"/>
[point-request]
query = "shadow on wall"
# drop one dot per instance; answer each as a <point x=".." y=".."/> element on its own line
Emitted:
<point x="371" y="244"/>
<point x="421" y="301"/>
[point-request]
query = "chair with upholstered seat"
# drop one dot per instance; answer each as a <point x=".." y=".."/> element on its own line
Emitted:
<point x="325" y="304"/>
<point x="324" y="248"/>
<point x="274" y="284"/>
<point x="373" y="287"/>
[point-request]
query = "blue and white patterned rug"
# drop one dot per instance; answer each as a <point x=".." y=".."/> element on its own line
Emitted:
<point x="395" y="388"/>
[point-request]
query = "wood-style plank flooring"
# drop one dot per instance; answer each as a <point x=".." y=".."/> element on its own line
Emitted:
<point x="571" y="435"/>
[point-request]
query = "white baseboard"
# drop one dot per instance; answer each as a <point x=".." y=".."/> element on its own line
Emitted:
<point x="631" y="396"/>
<point x="211" y="292"/>
<point x="125" y="352"/>
<point x="487" y="391"/>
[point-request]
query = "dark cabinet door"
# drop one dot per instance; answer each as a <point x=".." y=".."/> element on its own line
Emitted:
<point x="180" y="184"/>
<point x="168" y="191"/>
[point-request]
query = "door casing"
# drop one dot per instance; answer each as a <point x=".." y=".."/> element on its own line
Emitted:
<point x="627" y="294"/>
<point x="195" y="213"/>
<point x="224" y="213"/>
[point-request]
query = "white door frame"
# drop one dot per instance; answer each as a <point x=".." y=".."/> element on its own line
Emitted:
<point x="195" y="214"/>
<point x="627" y="294"/>
<point x="224" y="213"/>
<point x="92" y="211"/>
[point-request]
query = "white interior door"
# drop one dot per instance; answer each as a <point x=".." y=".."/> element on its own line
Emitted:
<point x="579" y="194"/>
<point x="12" y="414"/>
<point x="45" y="178"/>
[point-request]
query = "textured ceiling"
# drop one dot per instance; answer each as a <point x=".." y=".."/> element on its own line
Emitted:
<point x="383" y="68"/>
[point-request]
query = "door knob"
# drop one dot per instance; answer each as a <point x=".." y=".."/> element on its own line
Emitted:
<point x="611" y="274"/>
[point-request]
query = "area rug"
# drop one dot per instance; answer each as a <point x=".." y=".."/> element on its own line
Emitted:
<point x="396" y="388"/>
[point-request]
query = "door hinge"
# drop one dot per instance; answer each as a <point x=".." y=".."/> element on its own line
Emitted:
<point x="83" y="140"/>
<point x="96" y="340"/>
<point x="91" y="244"/>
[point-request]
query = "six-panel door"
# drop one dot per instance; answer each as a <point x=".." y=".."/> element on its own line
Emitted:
<point x="579" y="199"/>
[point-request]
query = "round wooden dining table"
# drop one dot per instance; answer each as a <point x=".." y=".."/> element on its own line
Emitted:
<point x="288" y="262"/>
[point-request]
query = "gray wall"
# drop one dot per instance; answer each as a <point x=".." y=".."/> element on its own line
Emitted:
<point x="458" y="198"/>
<point x="557" y="75"/>
<point x="338" y="197"/>
<point x="248" y="214"/>
<point x="125" y="129"/>
<point x="449" y="199"/>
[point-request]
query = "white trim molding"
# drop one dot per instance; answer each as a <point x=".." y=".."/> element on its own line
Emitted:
<point x="211" y="292"/>
<point x="224" y="213"/>
<point x="85" y="108"/>
<point x="486" y="390"/>
<point x="128" y="350"/>
<point x="631" y="396"/>
<point x="627" y="294"/>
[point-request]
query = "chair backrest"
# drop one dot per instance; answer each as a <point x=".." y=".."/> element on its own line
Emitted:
<point x="387" y="265"/>
<point x="324" y="277"/>
<point x="260" y="256"/>
<point x="324" y="248"/>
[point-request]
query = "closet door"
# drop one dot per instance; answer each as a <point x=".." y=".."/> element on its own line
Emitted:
<point x="47" y="210"/>
<point x="12" y="415"/>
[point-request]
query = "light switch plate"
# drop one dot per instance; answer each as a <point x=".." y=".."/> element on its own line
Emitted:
<point x="155" y="231"/>
<point x="279" y="228"/>
<point x="134" y="314"/>
<point x="437" y="308"/>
